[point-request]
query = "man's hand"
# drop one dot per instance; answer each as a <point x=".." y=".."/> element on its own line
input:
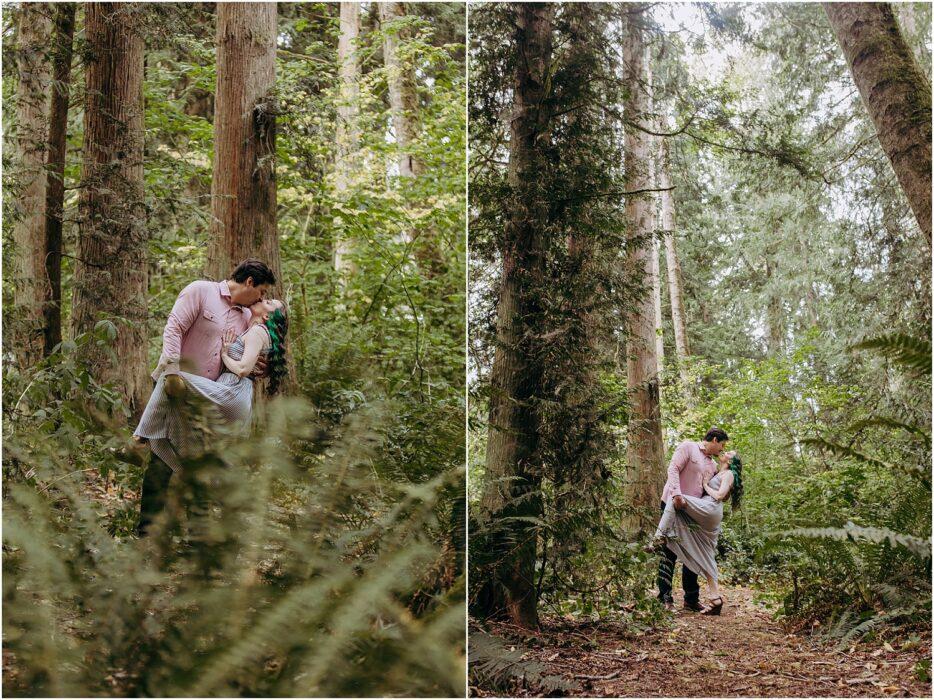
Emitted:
<point x="679" y="502"/>
<point x="259" y="369"/>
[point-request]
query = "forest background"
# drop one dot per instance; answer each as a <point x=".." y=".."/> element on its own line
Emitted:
<point x="149" y="145"/>
<point x="685" y="215"/>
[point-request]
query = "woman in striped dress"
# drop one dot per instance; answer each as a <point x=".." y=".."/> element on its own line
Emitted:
<point x="229" y="400"/>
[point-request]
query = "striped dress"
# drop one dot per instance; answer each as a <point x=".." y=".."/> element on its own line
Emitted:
<point x="692" y="533"/>
<point x="227" y="404"/>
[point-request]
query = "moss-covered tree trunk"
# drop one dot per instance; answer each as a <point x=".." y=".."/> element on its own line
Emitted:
<point x="645" y="451"/>
<point x="895" y="92"/>
<point x="63" y="39"/>
<point x="511" y="473"/>
<point x="32" y="122"/>
<point x="111" y="272"/>
<point x="243" y="190"/>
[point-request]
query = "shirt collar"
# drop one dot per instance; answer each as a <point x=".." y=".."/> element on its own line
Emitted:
<point x="224" y="290"/>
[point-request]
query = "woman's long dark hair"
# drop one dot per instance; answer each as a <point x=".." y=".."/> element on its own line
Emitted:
<point x="278" y="326"/>
<point x="736" y="466"/>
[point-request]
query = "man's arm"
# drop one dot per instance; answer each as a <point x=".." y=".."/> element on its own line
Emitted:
<point x="679" y="461"/>
<point x="182" y="317"/>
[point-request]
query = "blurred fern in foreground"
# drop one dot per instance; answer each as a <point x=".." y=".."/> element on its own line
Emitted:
<point x="283" y="566"/>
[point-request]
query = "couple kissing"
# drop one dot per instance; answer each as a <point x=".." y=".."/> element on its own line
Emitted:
<point x="701" y="476"/>
<point x="219" y="337"/>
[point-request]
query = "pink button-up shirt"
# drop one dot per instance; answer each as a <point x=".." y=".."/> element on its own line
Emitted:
<point x="194" y="332"/>
<point x="686" y="472"/>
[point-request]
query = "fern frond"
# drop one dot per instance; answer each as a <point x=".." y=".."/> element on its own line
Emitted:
<point x="921" y="473"/>
<point x="493" y="666"/>
<point x="911" y="353"/>
<point x="877" y="535"/>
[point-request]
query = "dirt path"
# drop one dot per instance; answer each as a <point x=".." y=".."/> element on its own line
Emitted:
<point x="743" y="653"/>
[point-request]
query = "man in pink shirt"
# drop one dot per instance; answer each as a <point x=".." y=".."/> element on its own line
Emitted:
<point x="192" y="341"/>
<point x="690" y="464"/>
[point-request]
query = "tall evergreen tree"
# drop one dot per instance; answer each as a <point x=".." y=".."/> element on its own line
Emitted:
<point x="512" y="480"/>
<point x="32" y="124"/>
<point x="111" y="274"/>
<point x="348" y="130"/>
<point x="644" y="433"/>
<point x="243" y="192"/>
<point x="895" y="92"/>
<point x="403" y="99"/>
<point x="62" y="47"/>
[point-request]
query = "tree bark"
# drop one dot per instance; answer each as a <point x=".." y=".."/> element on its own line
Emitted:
<point x="682" y="349"/>
<point x="111" y="273"/>
<point x="653" y="224"/>
<point x="403" y="99"/>
<point x="55" y="193"/>
<point x="348" y="130"/>
<point x="243" y="189"/>
<point x="895" y="92"/>
<point x="513" y="438"/>
<point x="645" y="449"/>
<point x="32" y="119"/>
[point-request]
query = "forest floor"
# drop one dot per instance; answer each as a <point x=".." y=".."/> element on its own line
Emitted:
<point x="742" y="653"/>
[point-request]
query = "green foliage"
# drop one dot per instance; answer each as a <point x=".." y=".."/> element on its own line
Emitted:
<point x="837" y="511"/>
<point x="284" y="567"/>
<point x="495" y="668"/>
<point x="325" y="556"/>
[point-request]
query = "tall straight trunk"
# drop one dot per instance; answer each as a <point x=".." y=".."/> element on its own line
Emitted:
<point x="682" y="349"/>
<point x="348" y="130"/>
<point x="657" y="303"/>
<point x="652" y="172"/>
<point x="63" y="39"/>
<point x="243" y="189"/>
<point x="645" y="450"/>
<point x="403" y="100"/>
<point x="895" y="92"/>
<point x="775" y="330"/>
<point x="111" y="275"/>
<point x="513" y="437"/>
<point x="32" y="119"/>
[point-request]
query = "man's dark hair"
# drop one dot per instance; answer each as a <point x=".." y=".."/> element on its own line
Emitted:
<point x="716" y="434"/>
<point x="257" y="269"/>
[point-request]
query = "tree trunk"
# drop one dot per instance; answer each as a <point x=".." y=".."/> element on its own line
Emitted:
<point x="513" y="438"/>
<point x="775" y="328"/>
<point x="895" y="92"/>
<point x="243" y="190"/>
<point x="907" y="20"/>
<point x="111" y="274"/>
<point x="653" y="223"/>
<point x="682" y="349"/>
<point x="32" y="119"/>
<point x="403" y="100"/>
<point x="55" y="192"/>
<point x="645" y="450"/>
<point x="348" y="130"/>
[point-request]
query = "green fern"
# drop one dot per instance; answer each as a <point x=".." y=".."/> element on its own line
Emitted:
<point x="853" y="533"/>
<point x="911" y="353"/>
<point x="495" y="668"/>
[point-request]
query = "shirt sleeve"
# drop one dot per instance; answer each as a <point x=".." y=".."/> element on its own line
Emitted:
<point x="679" y="461"/>
<point x="182" y="317"/>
